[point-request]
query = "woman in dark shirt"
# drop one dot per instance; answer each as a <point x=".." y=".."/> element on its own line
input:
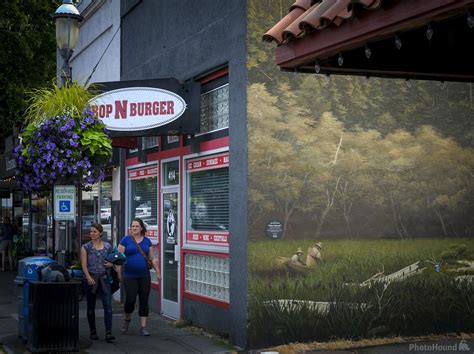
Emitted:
<point x="96" y="274"/>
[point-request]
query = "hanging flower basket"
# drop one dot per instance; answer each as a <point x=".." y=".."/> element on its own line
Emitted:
<point x="63" y="142"/>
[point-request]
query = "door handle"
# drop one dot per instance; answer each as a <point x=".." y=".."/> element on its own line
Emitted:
<point x="176" y="253"/>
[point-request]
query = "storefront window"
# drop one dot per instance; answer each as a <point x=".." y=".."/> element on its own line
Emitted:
<point x="41" y="226"/>
<point x="89" y="211"/>
<point x="143" y="201"/>
<point x="96" y="206"/>
<point x="150" y="141"/>
<point x="6" y="206"/>
<point x="208" y="200"/>
<point x="106" y="207"/>
<point x="215" y="109"/>
<point x="208" y="276"/>
<point x="147" y="143"/>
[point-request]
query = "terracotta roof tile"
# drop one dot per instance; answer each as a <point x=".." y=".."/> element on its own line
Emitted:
<point x="306" y="16"/>
<point x="302" y="4"/>
<point x="275" y="33"/>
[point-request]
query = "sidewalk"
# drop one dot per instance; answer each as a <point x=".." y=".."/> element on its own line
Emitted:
<point x="165" y="337"/>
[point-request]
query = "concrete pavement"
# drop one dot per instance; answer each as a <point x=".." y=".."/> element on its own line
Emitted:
<point x="165" y="337"/>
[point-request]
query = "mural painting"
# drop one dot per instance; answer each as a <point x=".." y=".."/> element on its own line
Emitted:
<point x="361" y="202"/>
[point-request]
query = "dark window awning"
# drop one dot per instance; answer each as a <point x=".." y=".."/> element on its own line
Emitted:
<point x="8" y="186"/>
<point x="412" y="39"/>
<point x="125" y="142"/>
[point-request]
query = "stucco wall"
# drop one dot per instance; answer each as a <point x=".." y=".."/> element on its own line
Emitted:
<point x="99" y="36"/>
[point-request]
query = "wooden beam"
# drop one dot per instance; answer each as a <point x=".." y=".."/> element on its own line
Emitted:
<point x="393" y="17"/>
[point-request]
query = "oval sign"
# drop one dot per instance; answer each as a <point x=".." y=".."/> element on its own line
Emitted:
<point x="137" y="108"/>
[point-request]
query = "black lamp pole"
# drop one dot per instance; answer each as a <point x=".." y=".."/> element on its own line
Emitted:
<point x="67" y="20"/>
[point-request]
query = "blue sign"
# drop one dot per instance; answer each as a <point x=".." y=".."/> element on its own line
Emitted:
<point x="65" y="206"/>
<point x="64" y="202"/>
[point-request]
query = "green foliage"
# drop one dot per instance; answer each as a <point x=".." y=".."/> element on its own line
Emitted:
<point x="427" y="303"/>
<point x="76" y="265"/>
<point x="455" y="252"/>
<point x="54" y="100"/>
<point x="19" y="245"/>
<point x="182" y="323"/>
<point x="27" y="54"/>
<point x="433" y="304"/>
<point x="93" y="140"/>
<point x="63" y="142"/>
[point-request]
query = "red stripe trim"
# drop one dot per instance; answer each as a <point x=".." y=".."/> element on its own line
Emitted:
<point x="160" y="155"/>
<point x="206" y="253"/>
<point x="181" y="242"/>
<point x="185" y="150"/>
<point x="132" y="161"/>
<point x="206" y="300"/>
<point x="215" y="144"/>
<point x="215" y="75"/>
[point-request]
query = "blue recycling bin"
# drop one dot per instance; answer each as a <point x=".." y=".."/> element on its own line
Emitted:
<point x="27" y="272"/>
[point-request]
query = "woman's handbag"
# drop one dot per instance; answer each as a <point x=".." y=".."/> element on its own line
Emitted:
<point x="115" y="282"/>
<point x="148" y="262"/>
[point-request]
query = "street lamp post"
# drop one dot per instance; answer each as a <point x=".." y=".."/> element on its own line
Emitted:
<point x="67" y="20"/>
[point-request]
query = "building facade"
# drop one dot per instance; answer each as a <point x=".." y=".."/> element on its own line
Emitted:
<point x="190" y="189"/>
<point x="372" y="179"/>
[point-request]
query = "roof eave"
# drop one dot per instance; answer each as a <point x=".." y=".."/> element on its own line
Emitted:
<point x="375" y="25"/>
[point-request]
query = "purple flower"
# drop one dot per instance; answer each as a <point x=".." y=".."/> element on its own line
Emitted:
<point x="53" y="153"/>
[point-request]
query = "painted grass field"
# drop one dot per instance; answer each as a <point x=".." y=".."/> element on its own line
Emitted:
<point x="432" y="302"/>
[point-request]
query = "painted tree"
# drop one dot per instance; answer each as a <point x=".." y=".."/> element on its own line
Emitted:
<point x="446" y="182"/>
<point x="279" y="175"/>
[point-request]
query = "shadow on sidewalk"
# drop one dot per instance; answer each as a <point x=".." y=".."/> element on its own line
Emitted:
<point x="165" y="336"/>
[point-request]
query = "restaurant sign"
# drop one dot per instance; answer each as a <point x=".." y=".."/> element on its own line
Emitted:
<point x="148" y="107"/>
<point x="138" y="108"/>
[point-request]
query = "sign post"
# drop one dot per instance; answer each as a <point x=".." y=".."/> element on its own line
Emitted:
<point x="64" y="202"/>
<point x="64" y="210"/>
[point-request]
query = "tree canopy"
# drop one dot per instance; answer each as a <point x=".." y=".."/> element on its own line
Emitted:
<point x="27" y="55"/>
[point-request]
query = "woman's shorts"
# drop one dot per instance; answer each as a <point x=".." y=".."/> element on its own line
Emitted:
<point x="5" y="245"/>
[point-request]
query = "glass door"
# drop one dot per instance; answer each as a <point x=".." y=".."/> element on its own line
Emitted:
<point x="170" y="252"/>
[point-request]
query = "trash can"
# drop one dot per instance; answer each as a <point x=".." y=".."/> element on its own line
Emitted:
<point x="76" y="274"/>
<point x="53" y="322"/>
<point x="27" y="272"/>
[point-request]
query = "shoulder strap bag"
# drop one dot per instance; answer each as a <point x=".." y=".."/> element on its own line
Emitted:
<point x="148" y="262"/>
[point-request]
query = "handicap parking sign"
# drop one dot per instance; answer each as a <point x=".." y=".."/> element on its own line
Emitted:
<point x="65" y="206"/>
<point x="64" y="202"/>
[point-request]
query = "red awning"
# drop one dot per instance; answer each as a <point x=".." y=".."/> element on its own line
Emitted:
<point x="420" y="39"/>
<point x="125" y="142"/>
